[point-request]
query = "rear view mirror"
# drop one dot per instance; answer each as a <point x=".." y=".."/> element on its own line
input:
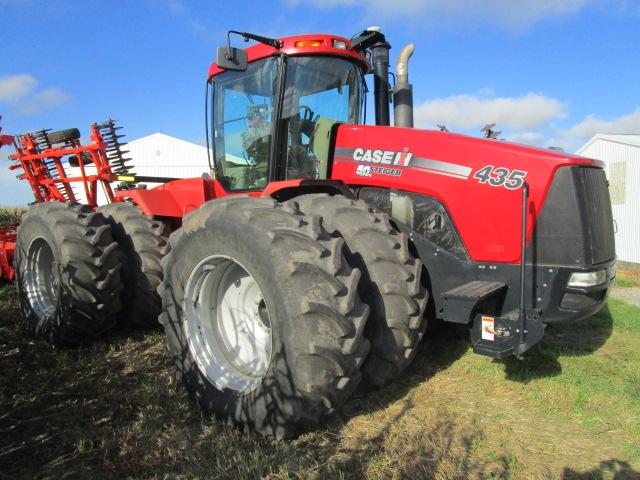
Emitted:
<point x="230" y="58"/>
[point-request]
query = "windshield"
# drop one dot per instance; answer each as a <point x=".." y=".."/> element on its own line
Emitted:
<point x="319" y="93"/>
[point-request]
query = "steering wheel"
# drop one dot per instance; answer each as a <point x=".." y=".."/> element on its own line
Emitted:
<point x="308" y="122"/>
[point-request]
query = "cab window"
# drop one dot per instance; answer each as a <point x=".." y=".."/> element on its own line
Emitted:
<point x="243" y="126"/>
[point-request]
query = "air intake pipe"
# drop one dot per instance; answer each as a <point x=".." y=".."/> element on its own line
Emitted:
<point x="380" y="61"/>
<point x="403" y="91"/>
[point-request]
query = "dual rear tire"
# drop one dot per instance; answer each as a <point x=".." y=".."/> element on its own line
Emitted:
<point x="80" y="272"/>
<point x="262" y="314"/>
<point x="391" y="284"/>
<point x="274" y="313"/>
<point x="67" y="273"/>
<point x="142" y="242"/>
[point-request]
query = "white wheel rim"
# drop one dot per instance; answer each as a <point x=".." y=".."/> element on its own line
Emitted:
<point x="40" y="278"/>
<point x="227" y="324"/>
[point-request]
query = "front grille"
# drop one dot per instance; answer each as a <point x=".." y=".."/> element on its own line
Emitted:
<point x="576" y="224"/>
<point x="598" y="218"/>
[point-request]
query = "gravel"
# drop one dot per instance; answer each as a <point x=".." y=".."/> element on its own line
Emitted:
<point x="626" y="294"/>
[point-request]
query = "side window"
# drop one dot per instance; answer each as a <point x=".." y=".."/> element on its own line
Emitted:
<point x="242" y="127"/>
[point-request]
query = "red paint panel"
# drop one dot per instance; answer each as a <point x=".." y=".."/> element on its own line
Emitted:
<point x="179" y="197"/>
<point x="173" y="199"/>
<point x="442" y="165"/>
<point x="7" y="252"/>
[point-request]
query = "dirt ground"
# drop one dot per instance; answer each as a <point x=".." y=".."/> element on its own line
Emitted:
<point x="627" y="294"/>
<point x="569" y="409"/>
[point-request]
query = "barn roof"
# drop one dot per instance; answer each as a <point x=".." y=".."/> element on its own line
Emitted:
<point x="158" y="136"/>
<point x="632" y="139"/>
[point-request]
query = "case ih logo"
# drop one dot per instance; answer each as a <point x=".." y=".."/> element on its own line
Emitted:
<point x="384" y="157"/>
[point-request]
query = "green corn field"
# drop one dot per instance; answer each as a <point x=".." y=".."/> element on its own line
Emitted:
<point x="10" y="215"/>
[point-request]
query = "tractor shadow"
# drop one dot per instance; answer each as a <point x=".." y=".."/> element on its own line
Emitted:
<point x="573" y="338"/>
<point x="443" y="344"/>
<point x="613" y="469"/>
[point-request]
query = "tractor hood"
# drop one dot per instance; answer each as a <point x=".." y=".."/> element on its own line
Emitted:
<point x="479" y="181"/>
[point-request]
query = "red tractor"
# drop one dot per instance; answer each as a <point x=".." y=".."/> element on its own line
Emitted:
<point x="315" y="253"/>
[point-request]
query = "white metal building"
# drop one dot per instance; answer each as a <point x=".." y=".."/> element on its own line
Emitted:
<point x="160" y="155"/>
<point x="621" y="154"/>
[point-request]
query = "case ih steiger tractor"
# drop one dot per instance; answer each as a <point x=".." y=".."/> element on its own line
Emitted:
<point x="314" y="254"/>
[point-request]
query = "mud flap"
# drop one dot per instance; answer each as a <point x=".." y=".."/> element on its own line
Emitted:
<point x="499" y="337"/>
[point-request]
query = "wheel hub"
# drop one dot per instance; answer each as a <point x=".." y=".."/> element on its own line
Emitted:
<point x="227" y="324"/>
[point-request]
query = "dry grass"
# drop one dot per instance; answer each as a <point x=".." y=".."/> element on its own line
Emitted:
<point x="627" y="278"/>
<point x="569" y="409"/>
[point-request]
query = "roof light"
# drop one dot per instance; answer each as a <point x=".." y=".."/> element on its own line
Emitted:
<point x="341" y="44"/>
<point x="308" y="43"/>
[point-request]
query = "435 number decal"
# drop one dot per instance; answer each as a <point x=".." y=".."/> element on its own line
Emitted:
<point x="501" y="177"/>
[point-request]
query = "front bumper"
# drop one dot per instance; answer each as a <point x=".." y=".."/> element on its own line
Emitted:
<point x="516" y="332"/>
<point x="547" y="297"/>
<point x="565" y="302"/>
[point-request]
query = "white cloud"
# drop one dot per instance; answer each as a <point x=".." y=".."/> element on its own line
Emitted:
<point x="19" y="92"/>
<point x="573" y="137"/>
<point x="542" y="140"/>
<point x="629" y="123"/>
<point x="176" y="7"/>
<point x="43" y="100"/>
<point x="180" y="10"/>
<point x="528" y="138"/>
<point x="5" y="173"/>
<point x="513" y="14"/>
<point x="474" y="111"/>
<point x="15" y="87"/>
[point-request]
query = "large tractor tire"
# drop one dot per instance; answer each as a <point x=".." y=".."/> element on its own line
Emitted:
<point x="67" y="273"/>
<point x="391" y="283"/>
<point x="262" y="314"/>
<point x="142" y="242"/>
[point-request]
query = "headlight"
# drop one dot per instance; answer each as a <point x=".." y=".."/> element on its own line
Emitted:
<point x="341" y="44"/>
<point x="587" y="279"/>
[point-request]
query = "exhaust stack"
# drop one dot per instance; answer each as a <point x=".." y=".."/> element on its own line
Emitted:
<point x="403" y="91"/>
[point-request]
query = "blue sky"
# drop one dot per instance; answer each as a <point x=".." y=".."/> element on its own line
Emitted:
<point x="549" y="72"/>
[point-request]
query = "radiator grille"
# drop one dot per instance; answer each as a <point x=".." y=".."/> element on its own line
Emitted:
<point x="576" y="225"/>
<point x="597" y="214"/>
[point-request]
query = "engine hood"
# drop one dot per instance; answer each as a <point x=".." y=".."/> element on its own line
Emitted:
<point x="478" y="180"/>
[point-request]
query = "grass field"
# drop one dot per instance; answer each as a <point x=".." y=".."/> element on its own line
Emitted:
<point x="568" y="409"/>
<point x="627" y="282"/>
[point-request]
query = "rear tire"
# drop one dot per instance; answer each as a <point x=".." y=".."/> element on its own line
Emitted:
<point x="307" y="303"/>
<point x="142" y="242"/>
<point x="67" y="272"/>
<point x="391" y="283"/>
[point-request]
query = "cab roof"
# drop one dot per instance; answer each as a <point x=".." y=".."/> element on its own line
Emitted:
<point x="323" y="44"/>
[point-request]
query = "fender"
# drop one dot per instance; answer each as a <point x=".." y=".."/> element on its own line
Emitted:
<point x="179" y="197"/>
<point x="173" y="199"/>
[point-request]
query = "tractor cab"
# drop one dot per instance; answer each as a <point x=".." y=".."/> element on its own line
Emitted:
<point x="274" y="114"/>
